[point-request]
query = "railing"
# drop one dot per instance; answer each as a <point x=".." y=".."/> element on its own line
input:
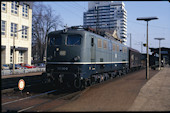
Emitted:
<point x="22" y="71"/>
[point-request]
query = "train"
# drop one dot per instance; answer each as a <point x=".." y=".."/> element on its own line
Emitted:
<point x="80" y="57"/>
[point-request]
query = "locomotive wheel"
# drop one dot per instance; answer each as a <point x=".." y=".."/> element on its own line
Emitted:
<point x="124" y="72"/>
<point x="77" y="84"/>
<point x="93" y="80"/>
<point x="119" y="73"/>
<point x="88" y="82"/>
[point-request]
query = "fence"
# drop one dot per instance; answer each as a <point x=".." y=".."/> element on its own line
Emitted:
<point x="21" y="71"/>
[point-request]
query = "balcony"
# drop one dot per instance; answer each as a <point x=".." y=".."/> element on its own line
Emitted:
<point x="123" y="36"/>
<point x="123" y="23"/>
<point x="123" y="20"/>
<point x="123" y="32"/>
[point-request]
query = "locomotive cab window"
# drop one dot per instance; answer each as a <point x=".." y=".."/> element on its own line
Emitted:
<point x="74" y="39"/>
<point x="92" y="41"/>
<point x="56" y="40"/>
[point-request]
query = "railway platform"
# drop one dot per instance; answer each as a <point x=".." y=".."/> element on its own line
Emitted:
<point x="155" y="94"/>
<point x="129" y="93"/>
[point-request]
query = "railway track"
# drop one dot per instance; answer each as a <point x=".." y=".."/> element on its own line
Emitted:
<point x="45" y="101"/>
<point x="38" y="101"/>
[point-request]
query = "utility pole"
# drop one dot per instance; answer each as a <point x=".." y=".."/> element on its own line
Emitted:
<point x="130" y="40"/>
<point x="97" y="18"/>
<point x="14" y="48"/>
<point x="141" y="47"/>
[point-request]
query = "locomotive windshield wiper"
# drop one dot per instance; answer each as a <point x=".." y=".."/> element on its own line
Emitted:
<point x="76" y="42"/>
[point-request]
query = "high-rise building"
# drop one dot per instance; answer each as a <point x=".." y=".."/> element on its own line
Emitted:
<point x="16" y="31"/>
<point x="108" y="16"/>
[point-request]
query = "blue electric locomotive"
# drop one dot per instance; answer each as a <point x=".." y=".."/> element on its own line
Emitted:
<point x="78" y="57"/>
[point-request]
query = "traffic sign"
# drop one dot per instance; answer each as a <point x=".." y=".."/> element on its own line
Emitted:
<point x="21" y="84"/>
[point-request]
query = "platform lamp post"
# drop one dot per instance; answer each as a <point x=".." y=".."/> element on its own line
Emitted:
<point x="147" y="19"/>
<point x="159" y="50"/>
<point x="14" y="48"/>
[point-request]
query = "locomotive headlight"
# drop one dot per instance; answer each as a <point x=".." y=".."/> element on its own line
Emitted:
<point x="57" y="49"/>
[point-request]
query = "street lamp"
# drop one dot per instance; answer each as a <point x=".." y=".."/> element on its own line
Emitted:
<point x="14" y="48"/>
<point x="147" y="19"/>
<point x="159" y="51"/>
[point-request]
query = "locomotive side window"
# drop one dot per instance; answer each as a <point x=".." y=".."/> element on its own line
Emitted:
<point x="118" y="48"/>
<point x="114" y="48"/>
<point x="99" y="43"/>
<point x="56" y="40"/>
<point x="105" y="44"/>
<point x="74" y="39"/>
<point x="125" y="50"/>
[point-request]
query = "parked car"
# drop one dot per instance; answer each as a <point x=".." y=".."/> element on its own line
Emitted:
<point x="27" y="65"/>
<point x="41" y="65"/>
<point x="5" y="66"/>
<point x="17" y="66"/>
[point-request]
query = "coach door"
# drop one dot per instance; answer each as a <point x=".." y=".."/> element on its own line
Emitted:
<point x="93" y="50"/>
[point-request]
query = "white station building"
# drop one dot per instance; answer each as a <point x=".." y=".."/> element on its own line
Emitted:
<point x="16" y="17"/>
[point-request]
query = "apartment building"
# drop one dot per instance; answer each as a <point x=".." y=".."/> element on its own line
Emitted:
<point x="16" y="31"/>
<point x="108" y="16"/>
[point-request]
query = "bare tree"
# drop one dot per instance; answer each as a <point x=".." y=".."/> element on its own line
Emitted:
<point x="44" y="20"/>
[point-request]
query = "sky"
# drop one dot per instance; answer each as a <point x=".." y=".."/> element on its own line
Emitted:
<point x="71" y="13"/>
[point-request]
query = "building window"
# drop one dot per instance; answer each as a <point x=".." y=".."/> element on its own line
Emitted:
<point x="21" y="57"/>
<point x="14" y="7"/>
<point x="13" y="29"/>
<point x="25" y="32"/>
<point x="99" y="43"/>
<point x="11" y="56"/>
<point x="3" y="27"/>
<point x="3" y="6"/>
<point x="105" y="44"/>
<point x="25" y="10"/>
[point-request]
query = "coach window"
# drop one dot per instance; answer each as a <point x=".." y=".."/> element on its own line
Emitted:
<point x="56" y="40"/>
<point x="99" y="43"/>
<point x="105" y="44"/>
<point x="74" y="39"/>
